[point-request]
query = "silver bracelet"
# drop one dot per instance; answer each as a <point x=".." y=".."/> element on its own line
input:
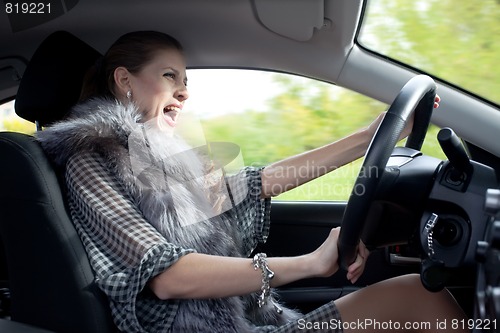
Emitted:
<point x="260" y="262"/>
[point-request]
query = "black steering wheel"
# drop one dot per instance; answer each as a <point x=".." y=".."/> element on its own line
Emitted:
<point x="417" y="96"/>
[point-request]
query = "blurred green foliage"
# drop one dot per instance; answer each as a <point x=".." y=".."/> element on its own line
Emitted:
<point x="11" y="122"/>
<point x="306" y="115"/>
<point x="16" y="124"/>
<point x="455" y="40"/>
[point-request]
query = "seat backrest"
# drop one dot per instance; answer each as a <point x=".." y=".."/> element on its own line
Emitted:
<point x="50" y="278"/>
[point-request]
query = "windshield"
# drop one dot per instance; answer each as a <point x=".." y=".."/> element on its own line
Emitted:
<point x="454" y="40"/>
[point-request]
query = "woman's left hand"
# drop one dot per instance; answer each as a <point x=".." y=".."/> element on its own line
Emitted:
<point x="409" y="126"/>
<point x="436" y="101"/>
<point x="355" y="270"/>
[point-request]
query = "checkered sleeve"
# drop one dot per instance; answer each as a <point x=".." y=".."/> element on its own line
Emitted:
<point x="251" y="212"/>
<point x="124" y="250"/>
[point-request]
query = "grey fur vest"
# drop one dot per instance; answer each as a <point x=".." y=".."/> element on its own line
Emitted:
<point x="114" y="131"/>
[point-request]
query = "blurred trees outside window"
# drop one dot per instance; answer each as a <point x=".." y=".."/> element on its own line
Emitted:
<point x="455" y="40"/>
<point x="9" y="121"/>
<point x="303" y="114"/>
<point x="272" y="116"/>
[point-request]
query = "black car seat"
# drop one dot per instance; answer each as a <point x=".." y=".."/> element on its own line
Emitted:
<point x="50" y="279"/>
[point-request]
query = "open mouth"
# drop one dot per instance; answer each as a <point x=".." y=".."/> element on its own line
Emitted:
<point x="170" y="114"/>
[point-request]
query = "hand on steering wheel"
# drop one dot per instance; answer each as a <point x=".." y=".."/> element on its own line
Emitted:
<point x="409" y="126"/>
<point x="355" y="270"/>
<point x="417" y="97"/>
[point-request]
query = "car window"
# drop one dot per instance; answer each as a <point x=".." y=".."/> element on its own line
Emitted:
<point x="455" y="40"/>
<point x="9" y="121"/>
<point x="270" y="116"/>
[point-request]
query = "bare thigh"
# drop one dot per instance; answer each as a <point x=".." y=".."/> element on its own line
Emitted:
<point x="399" y="304"/>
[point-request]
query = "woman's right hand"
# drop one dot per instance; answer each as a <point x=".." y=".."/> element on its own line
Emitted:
<point x="326" y="256"/>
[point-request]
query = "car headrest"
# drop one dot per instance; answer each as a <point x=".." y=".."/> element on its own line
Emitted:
<point x="53" y="79"/>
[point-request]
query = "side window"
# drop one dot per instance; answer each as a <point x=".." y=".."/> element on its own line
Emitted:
<point x="272" y="116"/>
<point x="9" y="121"/>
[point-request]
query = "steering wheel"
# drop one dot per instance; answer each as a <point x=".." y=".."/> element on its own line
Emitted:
<point x="417" y="96"/>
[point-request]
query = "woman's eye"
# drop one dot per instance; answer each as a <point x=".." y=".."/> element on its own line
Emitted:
<point x="169" y="75"/>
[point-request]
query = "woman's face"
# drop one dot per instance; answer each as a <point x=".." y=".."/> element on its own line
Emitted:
<point x="159" y="89"/>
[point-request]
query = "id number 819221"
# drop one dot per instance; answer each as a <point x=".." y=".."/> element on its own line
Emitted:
<point x="475" y="324"/>
<point x="28" y="8"/>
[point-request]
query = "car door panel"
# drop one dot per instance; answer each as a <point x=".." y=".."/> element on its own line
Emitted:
<point x="300" y="227"/>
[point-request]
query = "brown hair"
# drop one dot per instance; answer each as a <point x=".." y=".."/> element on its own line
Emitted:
<point x="132" y="51"/>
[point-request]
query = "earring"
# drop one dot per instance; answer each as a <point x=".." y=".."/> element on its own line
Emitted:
<point x="129" y="94"/>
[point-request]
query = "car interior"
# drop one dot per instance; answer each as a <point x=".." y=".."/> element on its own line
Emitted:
<point x="419" y="214"/>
